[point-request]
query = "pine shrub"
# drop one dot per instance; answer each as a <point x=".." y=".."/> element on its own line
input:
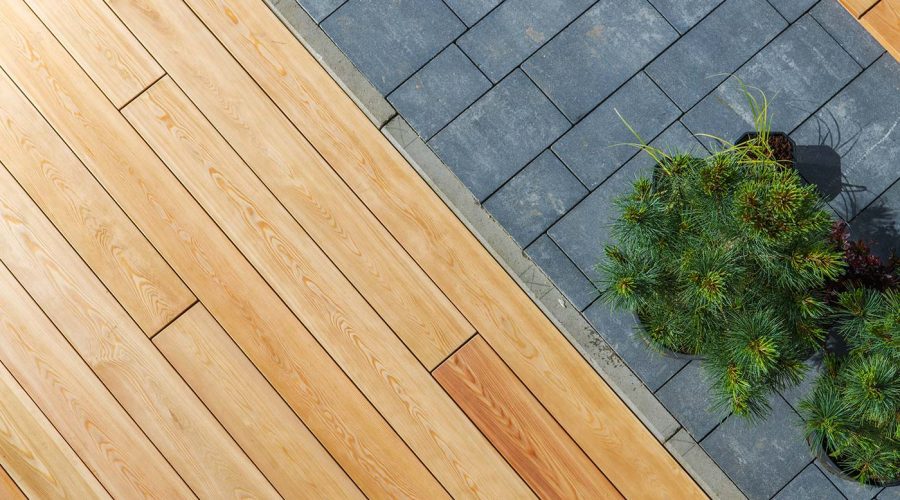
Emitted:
<point x="724" y="256"/>
<point x="854" y="411"/>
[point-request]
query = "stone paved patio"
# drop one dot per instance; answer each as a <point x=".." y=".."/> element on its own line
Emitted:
<point x="520" y="99"/>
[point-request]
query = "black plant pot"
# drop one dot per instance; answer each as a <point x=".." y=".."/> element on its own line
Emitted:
<point x="828" y="465"/>
<point x="787" y="161"/>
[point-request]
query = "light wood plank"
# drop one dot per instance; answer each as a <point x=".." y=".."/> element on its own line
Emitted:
<point x="858" y="7"/>
<point x="489" y="298"/>
<point x="92" y="223"/>
<point x="120" y="354"/>
<point x="335" y="218"/>
<point x="251" y="410"/>
<point x="533" y="443"/>
<point x="104" y="48"/>
<point x="33" y="451"/>
<point x="361" y="343"/>
<point x="883" y="22"/>
<point x="8" y="487"/>
<point x="77" y="403"/>
<point x="211" y="266"/>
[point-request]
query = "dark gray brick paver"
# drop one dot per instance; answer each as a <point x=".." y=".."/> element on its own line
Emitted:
<point x="618" y="329"/>
<point x="514" y="30"/>
<point x="853" y="490"/>
<point x="584" y="231"/>
<point x="564" y="274"/>
<point x="598" y="52"/>
<point x="471" y="11"/>
<point x="799" y="71"/>
<point x="847" y="31"/>
<point x="720" y="44"/>
<point x="535" y="198"/>
<point x="438" y="92"/>
<point x="499" y="134"/>
<point x="760" y="457"/>
<point x="684" y="14"/>
<point x="810" y="484"/>
<point x="320" y="9"/>
<point x="892" y="493"/>
<point x="388" y="40"/>
<point x="796" y="393"/>
<point x="792" y="9"/>
<point x="593" y="149"/>
<point x="862" y="123"/>
<point x="688" y="397"/>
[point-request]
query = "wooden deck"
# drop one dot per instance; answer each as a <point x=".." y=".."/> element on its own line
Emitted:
<point x="219" y="280"/>
<point x="881" y="18"/>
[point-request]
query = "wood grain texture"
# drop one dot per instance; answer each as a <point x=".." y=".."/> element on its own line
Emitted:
<point x="335" y="218"/>
<point x="92" y="223"/>
<point x="883" y="22"/>
<point x="277" y="441"/>
<point x="210" y="265"/>
<point x="33" y="451"/>
<point x="349" y="329"/>
<point x="858" y="7"/>
<point x="8" y="488"/>
<point x="77" y="404"/>
<point x="533" y="443"/>
<point x="102" y="45"/>
<point x="489" y="298"/>
<point x="120" y="354"/>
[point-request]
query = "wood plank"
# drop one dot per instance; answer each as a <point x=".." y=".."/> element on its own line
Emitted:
<point x="858" y="7"/>
<point x="489" y="298"/>
<point x="335" y="218"/>
<point x="277" y="343"/>
<point x="34" y="452"/>
<point x="102" y="46"/>
<point x="883" y="22"/>
<point x="349" y="329"/>
<point x="516" y="423"/>
<point x="264" y="425"/>
<point x="120" y="354"/>
<point x="92" y="223"/>
<point x="8" y="487"/>
<point x="76" y="402"/>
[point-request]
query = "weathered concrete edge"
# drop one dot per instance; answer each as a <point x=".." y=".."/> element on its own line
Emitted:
<point x="501" y="245"/>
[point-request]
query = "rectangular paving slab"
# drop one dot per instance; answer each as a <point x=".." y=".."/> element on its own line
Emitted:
<point x="388" y="40"/>
<point x="848" y="32"/>
<point x="688" y="396"/>
<point x="618" y="328"/>
<point x="514" y="30"/>
<point x="810" y="484"/>
<point x="320" y="9"/>
<point x="499" y="134"/>
<point x="535" y="198"/>
<point x="717" y="46"/>
<point x="792" y="9"/>
<point x="684" y="14"/>
<point x="564" y="274"/>
<point x="471" y="11"/>
<point x="799" y="71"/>
<point x="597" y="53"/>
<point x="438" y="92"/>
<point x="597" y="146"/>
<point x="862" y="124"/>
<point x="760" y="457"/>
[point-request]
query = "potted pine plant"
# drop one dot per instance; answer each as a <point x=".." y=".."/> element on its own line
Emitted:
<point x="725" y="257"/>
<point x="853" y="414"/>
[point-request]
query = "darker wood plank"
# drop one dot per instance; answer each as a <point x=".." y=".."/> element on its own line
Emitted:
<point x="518" y="426"/>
